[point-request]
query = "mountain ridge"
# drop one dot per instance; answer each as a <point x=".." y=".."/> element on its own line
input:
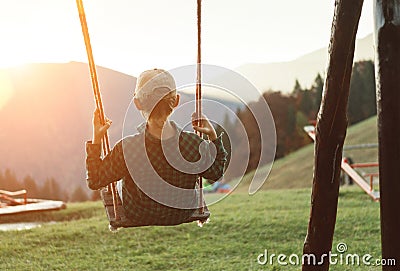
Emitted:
<point x="281" y="76"/>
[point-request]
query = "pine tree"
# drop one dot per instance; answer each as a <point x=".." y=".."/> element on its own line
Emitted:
<point x="10" y="181"/>
<point x="2" y="180"/>
<point x="291" y="120"/>
<point x="318" y="88"/>
<point x="79" y="195"/>
<point x="297" y="89"/>
<point x="362" y="99"/>
<point x="51" y="190"/>
<point x="31" y="187"/>
<point x="306" y="103"/>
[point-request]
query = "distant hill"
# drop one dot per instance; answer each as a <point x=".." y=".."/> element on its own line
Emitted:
<point x="281" y="76"/>
<point x="47" y="120"/>
<point x="296" y="169"/>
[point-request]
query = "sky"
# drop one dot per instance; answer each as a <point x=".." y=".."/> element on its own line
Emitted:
<point x="131" y="36"/>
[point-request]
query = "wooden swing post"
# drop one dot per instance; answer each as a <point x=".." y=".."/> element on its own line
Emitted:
<point x="330" y="134"/>
<point x="387" y="62"/>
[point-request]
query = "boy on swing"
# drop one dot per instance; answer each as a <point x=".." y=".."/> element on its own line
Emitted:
<point x="156" y="168"/>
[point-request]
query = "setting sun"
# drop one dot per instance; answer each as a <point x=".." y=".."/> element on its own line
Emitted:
<point x="11" y="59"/>
<point x="33" y="33"/>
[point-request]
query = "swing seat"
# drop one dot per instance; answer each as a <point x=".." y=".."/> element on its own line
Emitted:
<point x="124" y="222"/>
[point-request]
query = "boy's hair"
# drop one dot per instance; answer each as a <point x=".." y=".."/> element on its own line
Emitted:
<point x="156" y="92"/>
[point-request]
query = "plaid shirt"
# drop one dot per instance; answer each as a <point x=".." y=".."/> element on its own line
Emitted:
<point x="153" y="189"/>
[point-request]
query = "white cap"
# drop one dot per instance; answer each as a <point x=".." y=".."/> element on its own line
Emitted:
<point x="152" y="86"/>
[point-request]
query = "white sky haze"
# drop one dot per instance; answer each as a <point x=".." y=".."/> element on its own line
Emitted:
<point x="131" y="36"/>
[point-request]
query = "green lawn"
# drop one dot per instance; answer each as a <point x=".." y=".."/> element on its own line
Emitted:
<point x="241" y="228"/>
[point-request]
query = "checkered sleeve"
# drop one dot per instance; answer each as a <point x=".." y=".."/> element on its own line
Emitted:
<point x="216" y="170"/>
<point x="101" y="172"/>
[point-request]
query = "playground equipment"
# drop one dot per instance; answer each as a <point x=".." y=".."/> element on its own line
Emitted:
<point x="350" y="168"/>
<point x="7" y="198"/>
<point x="17" y="202"/>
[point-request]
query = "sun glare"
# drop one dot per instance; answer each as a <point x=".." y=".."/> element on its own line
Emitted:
<point x="12" y="55"/>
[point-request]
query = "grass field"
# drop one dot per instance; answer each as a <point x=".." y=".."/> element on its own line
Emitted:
<point x="242" y="227"/>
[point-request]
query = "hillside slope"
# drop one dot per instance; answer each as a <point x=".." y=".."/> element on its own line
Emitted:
<point x="296" y="169"/>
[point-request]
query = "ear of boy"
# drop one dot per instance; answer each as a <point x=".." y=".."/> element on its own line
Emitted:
<point x="177" y="100"/>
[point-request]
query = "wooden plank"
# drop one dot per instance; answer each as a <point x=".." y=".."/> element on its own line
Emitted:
<point x="36" y="206"/>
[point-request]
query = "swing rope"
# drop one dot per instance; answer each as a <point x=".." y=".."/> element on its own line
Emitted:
<point x="99" y="104"/>
<point x="97" y="95"/>
<point x="198" y="95"/>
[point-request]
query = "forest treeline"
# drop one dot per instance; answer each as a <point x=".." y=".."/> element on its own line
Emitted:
<point x="291" y="112"/>
<point x="49" y="189"/>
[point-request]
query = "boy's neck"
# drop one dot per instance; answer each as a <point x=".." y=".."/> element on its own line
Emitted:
<point x="160" y="129"/>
